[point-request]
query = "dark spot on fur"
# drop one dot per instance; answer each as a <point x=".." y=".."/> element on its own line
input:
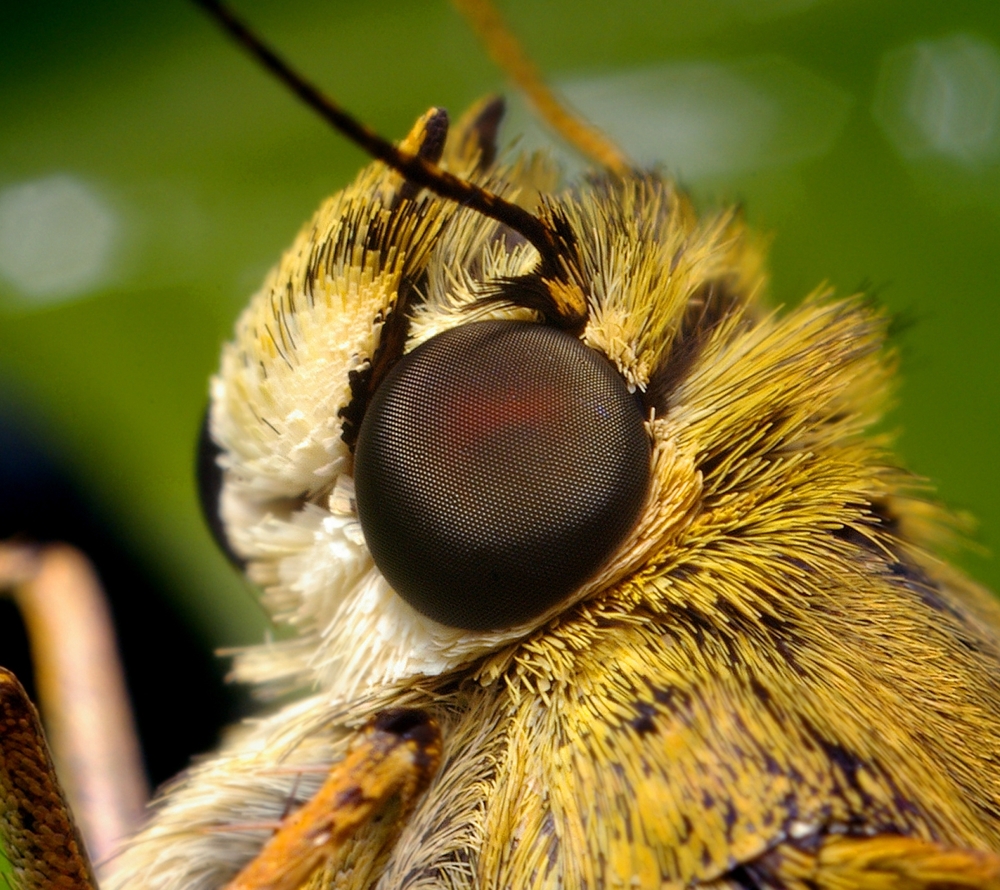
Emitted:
<point x="845" y="762"/>
<point x="643" y="722"/>
<point x="368" y="378"/>
<point x="548" y="830"/>
<point x="351" y="415"/>
<point x="706" y="309"/>
<point x="729" y="818"/>
<point x="745" y="877"/>
<point x="686" y="829"/>
<point x="671" y="698"/>
<point x="771" y="766"/>
<point x="706" y="858"/>
<point x="352" y="797"/>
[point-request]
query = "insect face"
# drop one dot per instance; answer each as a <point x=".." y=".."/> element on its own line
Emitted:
<point x="772" y="105"/>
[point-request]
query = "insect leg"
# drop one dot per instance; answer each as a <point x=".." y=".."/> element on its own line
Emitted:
<point x="882" y="862"/>
<point x="81" y="688"/>
<point x="36" y="827"/>
<point x="396" y="756"/>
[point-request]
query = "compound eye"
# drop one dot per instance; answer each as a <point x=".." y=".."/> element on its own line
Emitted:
<point x="498" y="467"/>
<point x="210" y="481"/>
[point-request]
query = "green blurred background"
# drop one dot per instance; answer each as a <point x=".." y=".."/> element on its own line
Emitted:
<point x="150" y="174"/>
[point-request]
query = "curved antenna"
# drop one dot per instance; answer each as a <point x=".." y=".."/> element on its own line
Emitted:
<point x="414" y="168"/>
<point x="505" y="49"/>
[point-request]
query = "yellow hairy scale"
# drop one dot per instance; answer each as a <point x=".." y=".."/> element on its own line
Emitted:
<point x="774" y="682"/>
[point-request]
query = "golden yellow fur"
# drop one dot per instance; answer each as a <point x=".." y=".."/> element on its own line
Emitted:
<point x="774" y="680"/>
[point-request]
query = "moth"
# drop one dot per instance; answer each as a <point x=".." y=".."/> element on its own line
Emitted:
<point x="540" y="478"/>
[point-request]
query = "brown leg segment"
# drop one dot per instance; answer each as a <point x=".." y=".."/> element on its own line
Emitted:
<point x="81" y="688"/>
<point x="396" y="756"/>
<point x="882" y="862"/>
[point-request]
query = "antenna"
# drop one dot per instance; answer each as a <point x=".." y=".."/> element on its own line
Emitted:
<point x="506" y="50"/>
<point x="416" y="169"/>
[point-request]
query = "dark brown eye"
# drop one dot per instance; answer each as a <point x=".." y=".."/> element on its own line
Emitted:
<point x="498" y="466"/>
